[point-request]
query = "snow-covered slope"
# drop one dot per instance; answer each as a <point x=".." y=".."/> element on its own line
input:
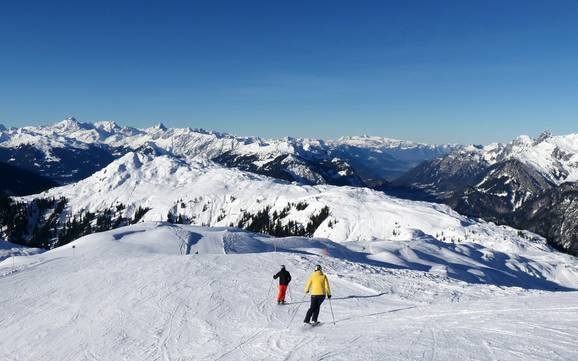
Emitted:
<point x="204" y="194"/>
<point x="307" y="160"/>
<point x="174" y="292"/>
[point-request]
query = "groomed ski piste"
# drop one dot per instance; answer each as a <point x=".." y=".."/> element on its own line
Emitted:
<point x="158" y="291"/>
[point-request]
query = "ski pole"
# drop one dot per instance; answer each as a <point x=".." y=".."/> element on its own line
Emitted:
<point x="332" y="315"/>
<point x="297" y="310"/>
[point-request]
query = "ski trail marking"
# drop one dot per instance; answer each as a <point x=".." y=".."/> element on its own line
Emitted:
<point x="434" y="344"/>
<point x="549" y="329"/>
<point x="376" y="313"/>
<point x="242" y="343"/>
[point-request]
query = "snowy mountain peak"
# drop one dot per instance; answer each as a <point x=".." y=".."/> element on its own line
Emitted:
<point x="107" y="125"/>
<point x="522" y="140"/>
<point x="131" y="160"/>
<point x="2" y="128"/>
<point x="158" y="127"/>
<point x="70" y="124"/>
<point x="546" y="134"/>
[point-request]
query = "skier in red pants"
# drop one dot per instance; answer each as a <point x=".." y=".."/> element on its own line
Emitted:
<point x="284" y="279"/>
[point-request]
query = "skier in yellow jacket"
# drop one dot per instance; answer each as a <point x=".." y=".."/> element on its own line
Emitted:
<point x="318" y="284"/>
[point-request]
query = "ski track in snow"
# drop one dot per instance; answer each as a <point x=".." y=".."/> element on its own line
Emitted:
<point x="114" y="302"/>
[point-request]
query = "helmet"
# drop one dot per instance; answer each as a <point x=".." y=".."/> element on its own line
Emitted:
<point x="318" y="268"/>
<point x="283" y="266"/>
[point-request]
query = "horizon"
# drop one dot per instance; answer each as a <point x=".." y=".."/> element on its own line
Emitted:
<point x="464" y="73"/>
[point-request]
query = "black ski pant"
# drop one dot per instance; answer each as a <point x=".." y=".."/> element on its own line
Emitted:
<point x="313" y="311"/>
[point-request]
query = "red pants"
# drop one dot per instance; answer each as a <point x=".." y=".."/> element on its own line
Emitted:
<point x="281" y="293"/>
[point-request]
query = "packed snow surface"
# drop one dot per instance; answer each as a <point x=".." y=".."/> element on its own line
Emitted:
<point x="157" y="291"/>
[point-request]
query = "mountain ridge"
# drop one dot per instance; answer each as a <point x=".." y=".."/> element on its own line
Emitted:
<point x="362" y="160"/>
<point x="502" y="182"/>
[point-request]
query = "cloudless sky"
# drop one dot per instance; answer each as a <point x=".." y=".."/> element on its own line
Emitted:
<point x="432" y="71"/>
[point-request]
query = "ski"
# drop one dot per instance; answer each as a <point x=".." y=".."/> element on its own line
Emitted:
<point x="311" y="325"/>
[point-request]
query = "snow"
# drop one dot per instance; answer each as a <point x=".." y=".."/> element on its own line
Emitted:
<point x="215" y="196"/>
<point x="411" y="280"/>
<point x="134" y="293"/>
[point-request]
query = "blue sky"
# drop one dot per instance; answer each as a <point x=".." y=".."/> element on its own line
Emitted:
<point x="432" y="71"/>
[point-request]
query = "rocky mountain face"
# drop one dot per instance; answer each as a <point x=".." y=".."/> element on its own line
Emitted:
<point x="444" y="176"/>
<point x="292" y="167"/>
<point x="501" y="183"/>
<point x="554" y="214"/>
<point x="70" y="150"/>
<point x="504" y="188"/>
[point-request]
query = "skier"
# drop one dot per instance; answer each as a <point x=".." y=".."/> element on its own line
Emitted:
<point x="319" y="286"/>
<point x="284" y="279"/>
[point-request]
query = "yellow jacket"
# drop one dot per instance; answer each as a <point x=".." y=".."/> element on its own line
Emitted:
<point x="319" y="284"/>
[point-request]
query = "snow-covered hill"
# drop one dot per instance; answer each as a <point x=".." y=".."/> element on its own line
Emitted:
<point x="205" y="194"/>
<point x="175" y="292"/>
<point x="83" y="148"/>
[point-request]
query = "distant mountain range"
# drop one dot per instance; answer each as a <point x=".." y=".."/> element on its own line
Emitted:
<point x="69" y="151"/>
